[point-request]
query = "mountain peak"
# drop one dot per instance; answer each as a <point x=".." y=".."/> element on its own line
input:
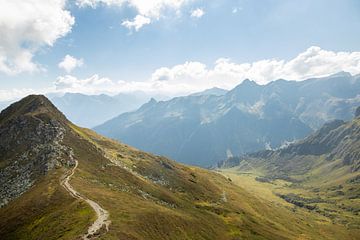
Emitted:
<point x="37" y="101"/>
<point x="211" y="91"/>
<point x="248" y="82"/>
<point x="150" y="103"/>
<point x="32" y="105"/>
<point x="31" y="133"/>
<point x="341" y="74"/>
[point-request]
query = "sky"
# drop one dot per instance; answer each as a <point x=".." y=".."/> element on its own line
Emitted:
<point x="171" y="47"/>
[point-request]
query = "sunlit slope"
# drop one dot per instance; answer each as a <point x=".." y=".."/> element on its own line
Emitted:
<point x="151" y="197"/>
<point x="32" y="161"/>
<point x="147" y="196"/>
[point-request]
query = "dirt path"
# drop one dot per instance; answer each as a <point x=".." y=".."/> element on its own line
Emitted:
<point x="102" y="215"/>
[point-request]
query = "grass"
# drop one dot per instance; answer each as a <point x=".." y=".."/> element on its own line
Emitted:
<point x="151" y="197"/>
<point x="46" y="211"/>
<point x="155" y="198"/>
<point x="319" y="224"/>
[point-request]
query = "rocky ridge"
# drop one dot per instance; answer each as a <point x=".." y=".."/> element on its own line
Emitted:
<point x="40" y="139"/>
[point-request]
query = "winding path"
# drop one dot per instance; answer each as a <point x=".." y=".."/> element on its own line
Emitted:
<point x="102" y="215"/>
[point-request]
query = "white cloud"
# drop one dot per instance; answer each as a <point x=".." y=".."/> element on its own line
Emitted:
<point x="69" y="63"/>
<point x="196" y="76"/>
<point x="138" y="22"/>
<point x="314" y="62"/>
<point x="147" y="10"/>
<point x="25" y="27"/>
<point x="197" y="13"/>
<point x="8" y="95"/>
<point x="91" y="85"/>
<point x="96" y="85"/>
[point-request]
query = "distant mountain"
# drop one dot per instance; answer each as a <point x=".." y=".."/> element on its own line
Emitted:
<point x="337" y="141"/>
<point x="92" y="110"/>
<point x="62" y="182"/>
<point x="212" y="91"/>
<point x="203" y="129"/>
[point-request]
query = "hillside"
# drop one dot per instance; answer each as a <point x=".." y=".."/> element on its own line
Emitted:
<point x="201" y="130"/>
<point x="321" y="172"/>
<point x="73" y="172"/>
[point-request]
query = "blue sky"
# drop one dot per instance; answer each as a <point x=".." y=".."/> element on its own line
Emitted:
<point x="174" y="45"/>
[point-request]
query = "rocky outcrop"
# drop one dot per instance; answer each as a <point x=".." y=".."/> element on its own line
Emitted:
<point x="30" y="146"/>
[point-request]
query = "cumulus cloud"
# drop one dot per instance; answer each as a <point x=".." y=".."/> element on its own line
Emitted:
<point x="195" y="76"/>
<point x="8" y="95"/>
<point x="96" y="85"/>
<point x="69" y="63"/>
<point x="138" y="22"/>
<point x="91" y="85"/>
<point x="148" y="10"/>
<point x="25" y="27"/>
<point x="314" y="62"/>
<point x="197" y="13"/>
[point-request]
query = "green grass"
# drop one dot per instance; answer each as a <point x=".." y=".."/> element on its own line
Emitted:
<point x="46" y="211"/>
<point x="151" y="197"/>
<point x="341" y="224"/>
<point x="189" y="205"/>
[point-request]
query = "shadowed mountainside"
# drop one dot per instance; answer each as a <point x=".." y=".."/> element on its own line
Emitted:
<point x="203" y="129"/>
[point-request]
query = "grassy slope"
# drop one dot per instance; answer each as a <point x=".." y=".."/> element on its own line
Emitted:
<point x="150" y="197"/>
<point x="268" y="193"/>
<point x="188" y="203"/>
<point x="46" y="211"/>
<point x="334" y="206"/>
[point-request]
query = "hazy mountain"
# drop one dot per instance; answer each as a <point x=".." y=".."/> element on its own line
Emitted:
<point x="335" y="141"/>
<point x="92" y="110"/>
<point x="203" y="129"/>
<point x="212" y="91"/>
<point x="60" y="181"/>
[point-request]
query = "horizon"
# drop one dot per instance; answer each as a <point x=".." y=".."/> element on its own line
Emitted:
<point x="155" y="96"/>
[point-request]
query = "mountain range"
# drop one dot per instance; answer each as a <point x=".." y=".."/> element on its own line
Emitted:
<point x="336" y="141"/>
<point x="92" y="110"/>
<point x="202" y="129"/>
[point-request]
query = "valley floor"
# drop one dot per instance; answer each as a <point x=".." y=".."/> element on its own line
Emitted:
<point x="332" y="216"/>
